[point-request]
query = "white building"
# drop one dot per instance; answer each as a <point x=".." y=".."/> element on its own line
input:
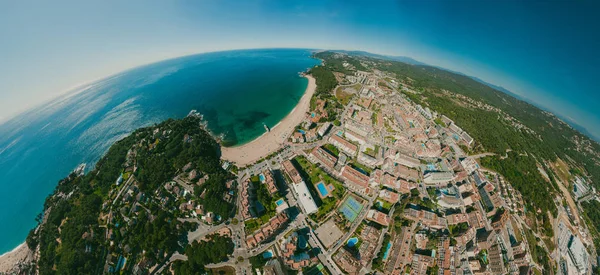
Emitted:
<point x="324" y="128"/>
<point x="352" y="136"/>
<point x="438" y="177"/>
<point x="306" y="200"/>
<point x="578" y="254"/>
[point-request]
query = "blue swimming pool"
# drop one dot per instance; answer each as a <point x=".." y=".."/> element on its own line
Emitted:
<point x="301" y="132"/>
<point x="279" y="202"/>
<point x="322" y="189"/>
<point x="261" y="177"/>
<point x="268" y="254"/>
<point x="352" y="241"/>
<point x="387" y="250"/>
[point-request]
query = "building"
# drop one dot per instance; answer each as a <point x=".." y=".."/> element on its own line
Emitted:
<point x="344" y="145"/>
<point x="324" y="129"/>
<point x="578" y="254"/>
<point x="311" y="135"/>
<point x="291" y="171"/>
<point x="297" y="137"/>
<point x="324" y="157"/>
<point x="355" y="177"/>
<point x="467" y="138"/>
<point x="401" y="255"/>
<point x="378" y="217"/>
<point x="469" y="164"/>
<point x="306" y="200"/>
<point x="427" y="218"/>
<point x="420" y="264"/>
<point x="273" y="267"/>
<point x="407" y="161"/>
<point x="437" y="177"/>
<point x="352" y="136"/>
<point x="406" y="172"/>
<point x="367" y="160"/>
<point x="389" y="196"/>
<point x="267" y="230"/>
<point x="269" y="181"/>
<point x="457" y="218"/>
<point x="496" y="263"/>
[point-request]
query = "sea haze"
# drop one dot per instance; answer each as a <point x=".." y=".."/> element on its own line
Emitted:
<point x="236" y="91"/>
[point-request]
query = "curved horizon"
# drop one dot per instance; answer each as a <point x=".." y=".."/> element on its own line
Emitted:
<point x="81" y="87"/>
<point x="48" y="142"/>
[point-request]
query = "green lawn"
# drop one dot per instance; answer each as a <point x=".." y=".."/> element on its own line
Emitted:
<point x="316" y="175"/>
<point x="343" y="97"/>
<point x="332" y="149"/>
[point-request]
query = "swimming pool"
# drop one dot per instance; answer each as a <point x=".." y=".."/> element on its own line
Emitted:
<point x="279" y="202"/>
<point x="268" y="254"/>
<point x="301" y="132"/>
<point x="301" y="242"/>
<point x="352" y="241"/>
<point x="387" y="250"/>
<point x="430" y="167"/>
<point x="261" y="177"/>
<point x="322" y="189"/>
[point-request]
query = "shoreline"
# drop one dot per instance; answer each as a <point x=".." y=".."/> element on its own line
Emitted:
<point x="11" y="259"/>
<point x="273" y="140"/>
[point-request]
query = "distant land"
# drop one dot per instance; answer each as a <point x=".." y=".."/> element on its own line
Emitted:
<point x="304" y="196"/>
<point x="412" y="61"/>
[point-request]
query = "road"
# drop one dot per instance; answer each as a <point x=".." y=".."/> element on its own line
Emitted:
<point x="482" y="155"/>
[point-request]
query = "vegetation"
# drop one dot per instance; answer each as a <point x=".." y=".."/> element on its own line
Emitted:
<point x="519" y="133"/>
<point x="313" y="175"/>
<point x="72" y="238"/>
<point x="377" y="262"/>
<point x="592" y="210"/>
<point x="522" y="173"/>
<point x="325" y="79"/>
<point x="267" y="201"/>
<point x="214" y="250"/>
<point x="505" y="124"/>
<point x="332" y="149"/>
<point x="342" y="96"/>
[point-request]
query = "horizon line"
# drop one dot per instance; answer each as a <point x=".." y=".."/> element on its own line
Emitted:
<point x="77" y="88"/>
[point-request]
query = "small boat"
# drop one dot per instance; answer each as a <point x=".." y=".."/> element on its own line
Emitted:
<point x="267" y="127"/>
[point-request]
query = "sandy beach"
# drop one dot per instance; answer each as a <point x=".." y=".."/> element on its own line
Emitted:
<point x="271" y="141"/>
<point x="9" y="261"/>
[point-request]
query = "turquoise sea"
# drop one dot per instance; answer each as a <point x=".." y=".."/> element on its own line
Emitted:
<point x="236" y="91"/>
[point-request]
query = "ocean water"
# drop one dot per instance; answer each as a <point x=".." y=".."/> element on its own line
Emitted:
<point x="236" y="91"/>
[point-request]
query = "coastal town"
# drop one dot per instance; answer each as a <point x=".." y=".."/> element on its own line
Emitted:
<point x="358" y="180"/>
<point x="389" y="187"/>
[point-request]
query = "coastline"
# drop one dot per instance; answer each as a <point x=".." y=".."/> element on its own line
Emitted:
<point x="273" y="140"/>
<point x="11" y="260"/>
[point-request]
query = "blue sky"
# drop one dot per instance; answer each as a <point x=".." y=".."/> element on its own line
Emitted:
<point x="545" y="51"/>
